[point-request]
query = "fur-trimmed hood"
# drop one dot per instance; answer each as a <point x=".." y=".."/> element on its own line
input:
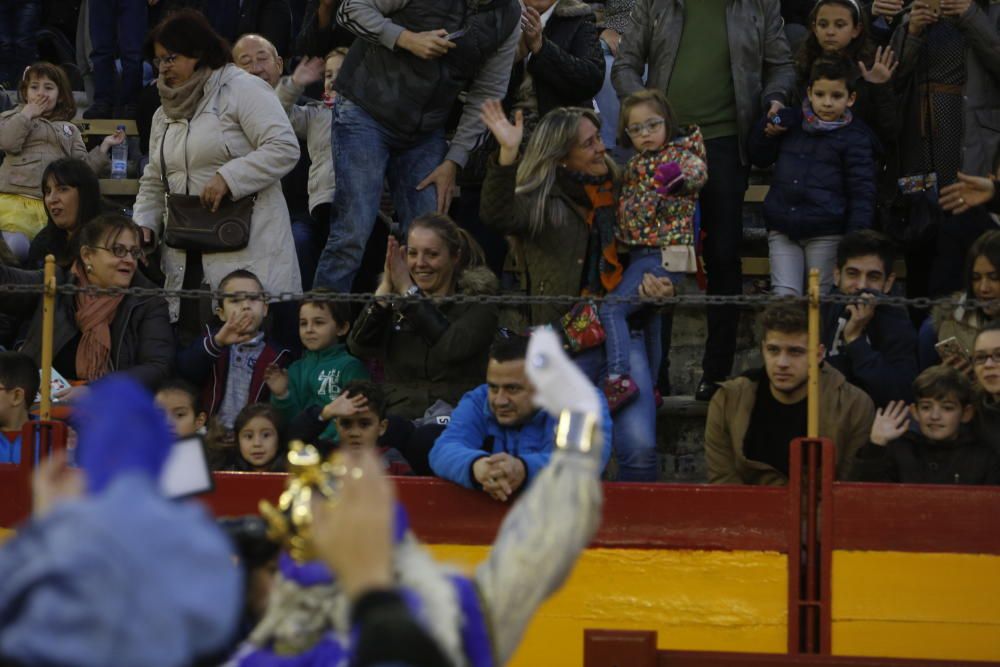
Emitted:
<point x="478" y="280"/>
<point x="569" y="8"/>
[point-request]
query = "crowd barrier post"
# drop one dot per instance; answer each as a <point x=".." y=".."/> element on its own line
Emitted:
<point x="812" y="421"/>
<point x="48" y="322"/>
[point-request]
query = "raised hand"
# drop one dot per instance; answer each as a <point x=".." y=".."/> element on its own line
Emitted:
<point x="882" y="69"/>
<point x="344" y="405"/>
<point x="890" y="423"/>
<point x="559" y="383"/>
<point x="966" y="193"/>
<point x="33" y="110"/>
<point x="955" y="8"/>
<point x="276" y="379"/>
<point x="309" y="71"/>
<point x="887" y="8"/>
<point x="921" y="16"/>
<point x="507" y="134"/>
<point x="397" y="267"/>
<point x="531" y="27"/>
<point x="236" y="330"/>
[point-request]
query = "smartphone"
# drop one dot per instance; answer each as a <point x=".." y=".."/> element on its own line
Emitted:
<point x="934" y="5"/>
<point x="950" y="347"/>
<point x="186" y="472"/>
<point x="452" y="36"/>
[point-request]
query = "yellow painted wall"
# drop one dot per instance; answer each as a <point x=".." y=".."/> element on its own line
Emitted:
<point x="916" y="605"/>
<point x="696" y="600"/>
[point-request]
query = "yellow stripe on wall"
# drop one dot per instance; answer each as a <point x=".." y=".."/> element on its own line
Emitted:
<point x="916" y="605"/>
<point x="696" y="600"/>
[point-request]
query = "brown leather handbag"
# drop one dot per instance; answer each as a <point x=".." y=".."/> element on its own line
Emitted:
<point x="190" y="226"/>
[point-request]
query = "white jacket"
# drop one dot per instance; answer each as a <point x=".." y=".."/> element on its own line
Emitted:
<point x="312" y="122"/>
<point x="239" y="131"/>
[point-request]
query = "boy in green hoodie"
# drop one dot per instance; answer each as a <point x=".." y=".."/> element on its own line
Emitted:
<point x="326" y="367"/>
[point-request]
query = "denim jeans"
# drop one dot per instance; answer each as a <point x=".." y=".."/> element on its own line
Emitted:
<point x="722" y="222"/>
<point x="18" y="39"/>
<point x="364" y="155"/>
<point x="634" y="430"/>
<point x="792" y="260"/>
<point x="614" y="316"/>
<point x="117" y="27"/>
<point x="310" y="232"/>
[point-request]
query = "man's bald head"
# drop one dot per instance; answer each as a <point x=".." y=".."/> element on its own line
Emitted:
<point x="258" y="56"/>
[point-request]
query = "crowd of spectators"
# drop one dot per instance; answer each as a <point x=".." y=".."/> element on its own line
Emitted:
<point x="437" y="152"/>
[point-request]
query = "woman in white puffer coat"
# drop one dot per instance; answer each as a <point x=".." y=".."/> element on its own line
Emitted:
<point x="223" y="133"/>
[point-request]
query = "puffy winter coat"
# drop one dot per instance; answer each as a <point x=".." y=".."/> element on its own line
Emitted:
<point x="239" y="131"/>
<point x="32" y="144"/>
<point x="569" y="69"/>
<point x="311" y="121"/>
<point x="823" y="183"/>
<point x="430" y="352"/>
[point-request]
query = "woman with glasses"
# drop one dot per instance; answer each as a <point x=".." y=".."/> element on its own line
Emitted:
<point x="98" y="334"/>
<point x="219" y="132"/>
<point x="559" y="201"/>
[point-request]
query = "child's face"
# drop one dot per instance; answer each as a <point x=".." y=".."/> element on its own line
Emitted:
<point x="181" y="415"/>
<point x="361" y="430"/>
<point x="317" y="328"/>
<point x="940" y="418"/>
<point x="835" y="28"/>
<point x="13" y="407"/>
<point x="830" y="99"/>
<point x="42" y="91"/>
<point x="258" y="440"/>
<point x="646" y="128"/>
<point x="333" y="64"/>
<point x="252" y="308"/>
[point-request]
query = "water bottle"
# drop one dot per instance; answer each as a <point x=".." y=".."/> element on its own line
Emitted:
<point x="119" y="158"/>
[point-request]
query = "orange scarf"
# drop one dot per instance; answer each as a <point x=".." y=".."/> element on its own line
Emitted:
<point x="94" y="315"/>
<point x="603" y="203"/>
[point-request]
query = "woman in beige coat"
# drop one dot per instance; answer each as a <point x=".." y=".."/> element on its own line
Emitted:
<point x="223" y="133"/>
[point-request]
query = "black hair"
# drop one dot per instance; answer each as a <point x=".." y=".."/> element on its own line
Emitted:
<point x="188" y="33"/>
<point x="859" y="49"/>
<point x="785" y="317"/>
<point x="940" y="382"/>
<point x="833" y="69"/>
<point x="76" y="173"/>
<point x="988" y="246"/>
<point x="340" y="311"/>
<point x="112" y="225"/>
<point x="184" y="387"/>
<point x="864" y="242"/>
<point x="19" y="371"/>
<point x="509" y="346"/>
<point x="372" y="392"/>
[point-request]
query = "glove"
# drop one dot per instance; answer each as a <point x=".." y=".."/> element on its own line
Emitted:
<point x="668" y="178"/>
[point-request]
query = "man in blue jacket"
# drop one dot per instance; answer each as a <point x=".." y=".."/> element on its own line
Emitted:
<point x="874" y="346"/>
<point x="497" y="440"/>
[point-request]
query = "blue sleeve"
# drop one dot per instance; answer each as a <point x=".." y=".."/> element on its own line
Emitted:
<point x="888" y="372"/>
<point x="763" y="149"/>
<point x="859" y="177"/>
<point x="607" y="427"/>
<point x="194" y="363"/>
<point x="460" y="444"/>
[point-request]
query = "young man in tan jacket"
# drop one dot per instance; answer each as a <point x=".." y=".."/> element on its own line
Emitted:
<point x="753" y="418"/>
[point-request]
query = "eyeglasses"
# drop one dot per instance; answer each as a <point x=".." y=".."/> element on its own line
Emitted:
<point x="638" y="129"/>
<point x="165" y="60"/>
<point x="120" y="251"/>
<point x="980" y="358"/>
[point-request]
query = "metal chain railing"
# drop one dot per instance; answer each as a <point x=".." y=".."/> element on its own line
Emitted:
<point x="508" y="299"/>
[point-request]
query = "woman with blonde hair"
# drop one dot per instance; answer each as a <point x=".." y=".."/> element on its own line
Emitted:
<point x="559" y="201"/>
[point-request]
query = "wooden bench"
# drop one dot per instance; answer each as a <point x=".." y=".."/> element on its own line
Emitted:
<point x="90" y="127"/>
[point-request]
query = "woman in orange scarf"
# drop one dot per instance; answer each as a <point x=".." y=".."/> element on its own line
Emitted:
<point x="97" y="334"/>
<point x="559" y="202"/>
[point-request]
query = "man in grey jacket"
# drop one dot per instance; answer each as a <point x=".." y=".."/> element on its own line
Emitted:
<point x="721" y="63"/>
<point x="396" y="90"/>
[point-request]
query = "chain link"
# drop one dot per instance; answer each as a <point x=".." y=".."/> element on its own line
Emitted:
<point x="755" y="300"/>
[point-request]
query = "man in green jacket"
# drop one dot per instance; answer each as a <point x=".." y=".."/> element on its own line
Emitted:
<point x="722" y="63"/>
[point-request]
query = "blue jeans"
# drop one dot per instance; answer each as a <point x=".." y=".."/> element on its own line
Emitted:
<point x="117" y="27"/>
<point x="364" y="155"/>
<point x="310" y="232"/>
<point x="635" y="424"/>
<point x="18" y="39"/>
<point x="614" y="316"/>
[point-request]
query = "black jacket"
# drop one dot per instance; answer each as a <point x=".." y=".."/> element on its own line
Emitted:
<point x="569" y="69"/>
<point x="142" y="339"/>
<point x="882" y="361"/>
<point x="913" y="459"/>
<point x="313" y="41"/>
